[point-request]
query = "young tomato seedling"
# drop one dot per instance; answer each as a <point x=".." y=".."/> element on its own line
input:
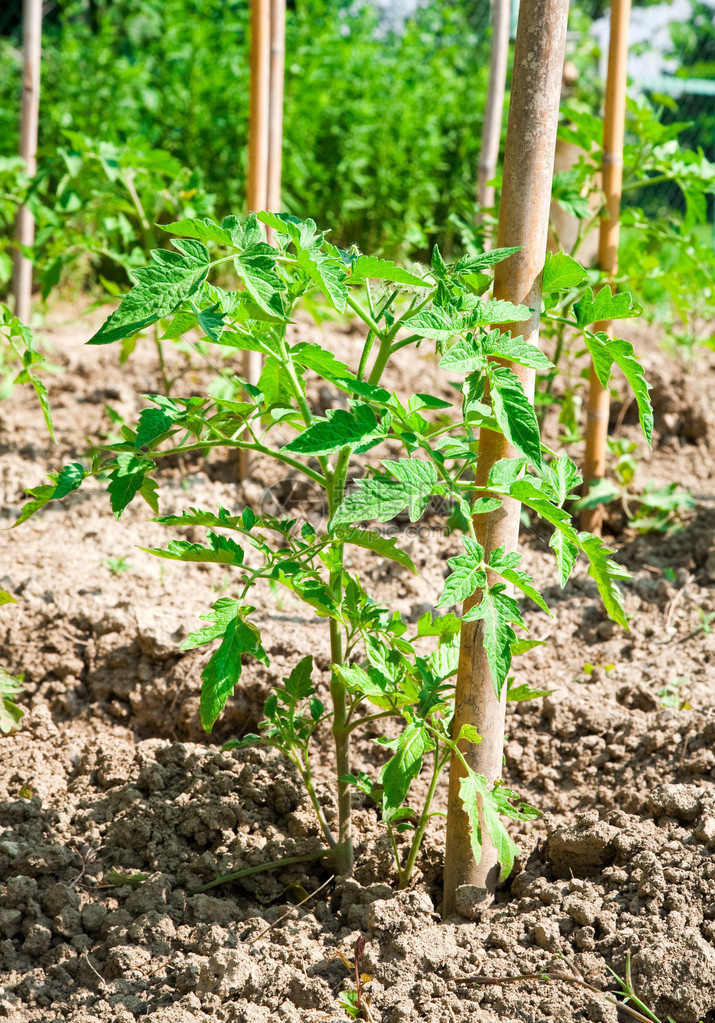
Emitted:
<point x="378" y="670"/>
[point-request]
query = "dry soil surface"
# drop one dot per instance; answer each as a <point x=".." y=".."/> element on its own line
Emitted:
<point x="115" y="808"/>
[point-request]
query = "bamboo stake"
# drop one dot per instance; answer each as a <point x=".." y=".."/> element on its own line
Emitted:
<point x="523" y="220"/>
<point x="30" y="118"/>
<point x="493" y="114"/>
<point x="612" y="172"/>
<point x="258" y="143"/>
<point x="275" y="128"/>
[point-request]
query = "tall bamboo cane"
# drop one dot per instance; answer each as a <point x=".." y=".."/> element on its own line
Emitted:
<point x="493" y="114"/>
<point x="30" y="118"/>
<point x="275" y="127"/>
<point x="612" y="172"/>
<point x="258" y="148"/>
<point x="523" y="220"/>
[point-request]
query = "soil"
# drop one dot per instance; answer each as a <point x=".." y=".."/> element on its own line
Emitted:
<point x="116" y="808"/>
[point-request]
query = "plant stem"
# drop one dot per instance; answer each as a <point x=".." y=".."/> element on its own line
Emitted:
<point x="406" y="871"/>
<point x="288" y="861"/>
<point x="338" y="693"/>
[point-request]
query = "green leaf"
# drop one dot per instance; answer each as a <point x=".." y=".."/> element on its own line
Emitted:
<point x="605" y="571"/>
<point x="497" y="610"/>
<point x="468" y="574"/>
<point x="464" y="357"/>
<point x="399" y="772"/>
<point x="382" y="498"/>
<point x="6" y="598"/>
<point x="473" y="264"/>
<point x="605" y="351"/>
<point x="605" y="306"/>
<point x="327" y="273"/>
<point x="171" y="279"/>
<point x="483" y="814"/>
<point x="561" y="272"/>
<point x="10" y="713"/>
<point x="515" y="349"/>
<point x="564" y="476"/>
<point x="224" y="668"/>
<point x="506" y="565"/>
<point x="63" y="483"/>
<point x="565" y="553"/>
<point x="514" y="413"/>
<point x="517" y="694"/>
<point x="222" y="612"/>
<point x="219" y="550"/>
<point x="385" y="546"/>
<point x="338" y="429"/>
<point x="382" y="270"/>
<point x="256" y="266"/>
<point x="204" y="230"/>
<point x="319" y="359"/>
<point x="299" y="685"/>
<point x="126" y="480"/>
<point x="154" y="425"/>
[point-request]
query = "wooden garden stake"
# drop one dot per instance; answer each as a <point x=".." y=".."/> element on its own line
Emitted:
<point x="491" y="129"/>
<point x="523" y="221"/>
<point x="25" y="227"/>
<point x="612" y="172"/>
<point x="258" y="148"/>
<point x="275" y="128"/>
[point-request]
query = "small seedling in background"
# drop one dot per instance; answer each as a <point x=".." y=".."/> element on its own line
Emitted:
<point x="670" y="696"/>
<point x="355" y="1003"/>
<point x="591" y="669"/>
<point x="706" y="618"/>
<point x="118" y="565"/>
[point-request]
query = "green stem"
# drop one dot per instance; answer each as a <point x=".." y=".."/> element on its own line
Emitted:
<point x="288" y="861"/>
<point x="367" y="348"/>
<point x="162" y="365"/>
<point x="307" y="777"/>
<point x="338" y="693"/>
<point x="250" y="446"/>
<point x="406" y="871"/>
<point x="364" y="315"/>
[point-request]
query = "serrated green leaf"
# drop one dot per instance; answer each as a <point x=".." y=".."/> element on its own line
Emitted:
<point x="605" y="571"/>
<point x="473" y="264"/>
<point x="605" y="306"/>
<point x="497" y="610"/>
<point x="604" y="351"/>
<point x="515" y="349"/>
<point x="171" y="279"/>
<point x="507" y="566"/>
<point x="385" y="546"/>
<point x="126" y="480"/>
<point x="63" y="483"/>
<point x="338" y="429"/>
<point x="222" y="612"/>
<point x="514" y="413"/>
<point x="441" y="625"/>
<point x="561" y="272"/>
<point x="565" y="553"/>
<point x="299" y="685"/>
<point x="327" y="273"/>
<point x="224" y="668"/>
<point x="402" y="768"/>
<point x="564" y="476"/>
<point x="318" y="359"/>
<point x="468" y="574"/>
<point x="518" y="694"/>
<point x="256" y="267"/>
<point x="205" y="230"/>
<point x="382" y="498"/>
<point x="444" y="661"/>
<point x="6" y="598"/>
<point x="464" y="357"/>
<point x="154" y="424"/>
<point x="483" y="815"/>
<point x="219" y="550"/>
<point x="10" y="713"/>
<point x="382" y="270"/>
